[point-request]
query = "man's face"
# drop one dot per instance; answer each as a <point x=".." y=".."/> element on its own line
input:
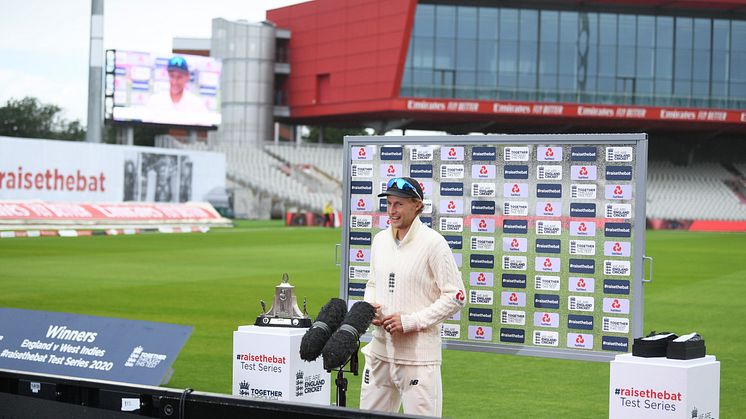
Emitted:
<point x="178" y="80"/>
<point x="401" y="211"/>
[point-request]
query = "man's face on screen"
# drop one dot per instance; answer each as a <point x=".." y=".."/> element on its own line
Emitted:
<point x="178" y="80"/>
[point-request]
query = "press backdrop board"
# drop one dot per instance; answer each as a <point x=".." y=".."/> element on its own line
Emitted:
<point x="547" y="231"/>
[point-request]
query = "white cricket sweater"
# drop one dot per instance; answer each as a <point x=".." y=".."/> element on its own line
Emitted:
<point x="426" y="289"/>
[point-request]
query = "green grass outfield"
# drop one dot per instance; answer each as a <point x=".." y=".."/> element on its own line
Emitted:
<point x="214" y="282"/>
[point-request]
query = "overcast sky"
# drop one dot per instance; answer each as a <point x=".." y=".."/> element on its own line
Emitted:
<point x="44" y="43"/>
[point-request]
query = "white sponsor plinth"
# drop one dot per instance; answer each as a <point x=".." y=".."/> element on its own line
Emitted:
<point x="664" y="388"/>
<point x="267" y="365"/>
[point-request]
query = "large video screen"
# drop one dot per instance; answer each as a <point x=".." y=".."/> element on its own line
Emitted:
<point x="176" y="89"/>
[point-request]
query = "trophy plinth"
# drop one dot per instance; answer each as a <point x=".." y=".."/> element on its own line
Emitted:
<point x="284" y="311"/>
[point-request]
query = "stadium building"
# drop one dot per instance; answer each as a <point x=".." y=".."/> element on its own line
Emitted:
<point x="675" y="70"/>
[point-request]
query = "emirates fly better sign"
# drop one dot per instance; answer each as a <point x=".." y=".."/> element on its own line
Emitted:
<point x="546" y="230"/>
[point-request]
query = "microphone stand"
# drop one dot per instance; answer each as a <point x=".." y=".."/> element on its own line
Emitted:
<point x="341" y="381"/>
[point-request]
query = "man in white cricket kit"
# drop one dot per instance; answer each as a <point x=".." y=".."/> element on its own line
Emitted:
<point x="414" y="285"/>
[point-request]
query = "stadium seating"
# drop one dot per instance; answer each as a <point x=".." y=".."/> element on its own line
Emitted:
<point x="696" y="191"/>
<point x="305" y="177"/>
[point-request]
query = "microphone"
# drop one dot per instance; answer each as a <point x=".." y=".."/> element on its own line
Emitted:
<point x="345" y="341"/>
<point x="329" y="318"/>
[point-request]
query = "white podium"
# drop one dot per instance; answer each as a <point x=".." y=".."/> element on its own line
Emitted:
<point x="664" y="388"/>
<point x="267" y="365"/>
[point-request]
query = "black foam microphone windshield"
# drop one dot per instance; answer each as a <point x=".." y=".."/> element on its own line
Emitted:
<point x="327" y="322"/>
<point x="344" y="342"/>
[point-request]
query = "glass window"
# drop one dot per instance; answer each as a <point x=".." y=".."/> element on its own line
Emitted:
<point x="720" y="35"/>
<point x="445" y="21"/>
<point x="645" y="31"/>
<point x="487" y="55"/>
<point x="423" y="52"/>
<point x="644" y="64"/>
<point x="527" y="57"/>
<point x="445" y="54"/>
<point x="664" y="32"/>
<point x="627" y="30"/>
<point x="529" y="26"/>
<point x="508" y="56"/>
<point x="626" y="60"/>
<point x="467" y="22"/>
<point x="568" y="58"/>
<point x="607" y="29"/>
<point x="466" y="54"/>
<point x="424" y="20"/>
<point x="488" y="23"/>
<point x="549" y="26"/>
<point x="568" y="27"/>
<point x="508" y="27"/>
<point x="702" y="34"/>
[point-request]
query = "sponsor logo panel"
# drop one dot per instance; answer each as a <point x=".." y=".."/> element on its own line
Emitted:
<point x="356" y="289"/>
<point x="517" y="171"/>
<point x="421" y="153"/>
<point x="421" y="171"/>
<point x="616" y="286"/>
<point x="582" y="284"/>
<point x="451" y="206"/>
<point x="583" y="154"/>
<point x="484" y="153"/>
<point x="359" y="272"/>
<point x="513" y="317"/>
<point x="480" y="333"/>
<point x="545" y="264"/>
<point x="615" y="324"/>
<point x="577" y="321"/>
<point x="391" y="170"/>
<point x="583" y="266"/>
<point x="360" y="238"/>
<point x="516" y="153"/>
<point x="362" y="170"/>
<point x="384" y="222"/>
<point x="616" y="305"/>
<point x="361" y="204"/>
<point x="583" y="247"/>
<point x="583" y="210"/>
<point x="583" y="173"/>
<point x="548" y="246"/>
<point x="452" y="153"/>
<point x="617" y="229"/>
<point x="617" y="248"/>
<point x="482" y="315"/>
<point x="614" y="343"/>
<point x="548" y="190"/>
<point x="512" y="335"/>
<point x="515" y="226"/>
<point x="454" y="242"/>
<point x="481" y="279"/>
<point x="618" y="154"/>
<point x="451" y="224"/>
<point x="513" y="298"/>
<point x="548" y="228"/>
<point x="392" y="153"/>
<point x="544" y="319"/>
<point x="618" y="211"/>
<point x="515" y="244"/>
<point x="579" y="341"/>
<point x="547" y="283"/>
<point x="477" y="260"/>
<point x="515" y="208"/>
<point x="450" y="331"/>
<point x="483" y="207"/>
<point x="618" y="191"/>
<point x="582" y="191"/>
<point x="545" y="338"/>
<point x="362" y="153"/>
<point x="452" y="189"/>
<point x="513" y="280"/>
<point x="549" y="153"/>
<point x="483" y="171"/>
<point x="583" y="228"/>
<point x="548" y="172"/>
<point x="577" y="303"/>
<point x="547" y="301"/>
<point x="481" y="297"/>
<point x="359" y="255"/>
<point x="618" y="172"/>
<point x="482" y="243"/>
<point x="514" y="263"/>
<point x="515" y="190"/>
<point x="451" y="171"/>
<point x="361" y="221"/>
<point x="617" y="267"/>
<point x="482" y="225"/>
<point x="549" y="209"/>
<point x="483" y="190"/>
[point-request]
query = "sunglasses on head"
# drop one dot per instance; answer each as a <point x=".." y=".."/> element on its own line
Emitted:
<point x="402" y="184"/>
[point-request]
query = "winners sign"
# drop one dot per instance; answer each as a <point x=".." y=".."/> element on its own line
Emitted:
<point x="547" y="232"/>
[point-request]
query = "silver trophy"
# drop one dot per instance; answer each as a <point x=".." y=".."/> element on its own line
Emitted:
<point x="284" y="311"/>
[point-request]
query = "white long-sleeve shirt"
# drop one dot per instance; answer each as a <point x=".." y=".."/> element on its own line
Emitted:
<point x="417" y="278"/>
